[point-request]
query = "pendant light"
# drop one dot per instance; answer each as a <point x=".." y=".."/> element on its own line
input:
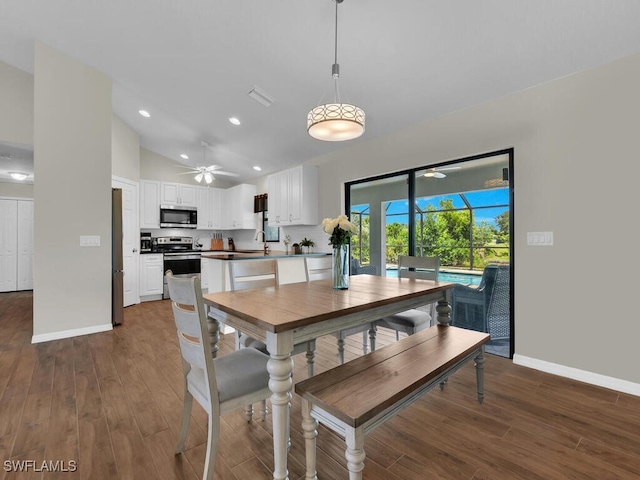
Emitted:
<point x="337" y="121"/>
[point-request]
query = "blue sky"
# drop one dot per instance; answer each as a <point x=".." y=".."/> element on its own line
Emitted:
<point x="483" y="198"/>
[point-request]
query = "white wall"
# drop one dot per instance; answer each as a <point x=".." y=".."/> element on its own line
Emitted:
<point x="16" y="105"/>
<point x="72" y="159"/>
<point x="10" y="189"/>
<point x="575" y="173"/>
<point x="125" y="150"/>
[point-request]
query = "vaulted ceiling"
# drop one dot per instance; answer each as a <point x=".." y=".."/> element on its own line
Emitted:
<point x="191" y="64"/>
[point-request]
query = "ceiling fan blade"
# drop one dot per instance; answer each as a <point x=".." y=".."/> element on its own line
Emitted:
<point x="220" y="172"/>
<point x="187" y="173"/>
<point x="438" y="175"/>
<point x="185" y="166"/>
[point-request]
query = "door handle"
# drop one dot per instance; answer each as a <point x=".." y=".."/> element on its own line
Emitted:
<point x="135" y="250"/>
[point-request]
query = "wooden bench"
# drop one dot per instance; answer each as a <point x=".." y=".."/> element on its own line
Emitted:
<point x="355" y="398"/>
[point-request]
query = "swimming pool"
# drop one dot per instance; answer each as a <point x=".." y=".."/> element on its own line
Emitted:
<point x="463" y="278"/>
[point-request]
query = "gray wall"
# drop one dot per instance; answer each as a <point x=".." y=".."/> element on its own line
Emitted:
<point x="576" y="172"/>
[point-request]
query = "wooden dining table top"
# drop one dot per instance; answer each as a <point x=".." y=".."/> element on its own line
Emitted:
<point x="295" y="305"/>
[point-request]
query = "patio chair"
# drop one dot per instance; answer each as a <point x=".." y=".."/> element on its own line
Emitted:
<point x="486" y="308"/>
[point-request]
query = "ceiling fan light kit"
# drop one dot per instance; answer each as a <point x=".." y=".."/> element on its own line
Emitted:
<point x="206" y="173"/>
<point x="337" y="121"/>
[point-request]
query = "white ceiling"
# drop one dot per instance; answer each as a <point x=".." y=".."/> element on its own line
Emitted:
<point x="192" y="63"/>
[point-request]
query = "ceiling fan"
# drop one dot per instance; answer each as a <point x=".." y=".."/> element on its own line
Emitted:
<point x="206" y="173"/>
<point x="437" y="172"/>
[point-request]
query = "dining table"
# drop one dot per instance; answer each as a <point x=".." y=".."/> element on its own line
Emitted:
<point x="285" y="315"/>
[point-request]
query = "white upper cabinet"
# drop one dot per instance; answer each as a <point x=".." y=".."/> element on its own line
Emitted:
<point x="293" y="196"/>
<point x="149" y="204"/>
<point x="238" y="207"/>
<point x="209" y="208"/>
<point x="178" y="194"/>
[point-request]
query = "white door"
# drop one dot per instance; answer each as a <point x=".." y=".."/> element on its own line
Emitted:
<point x="25" y="245"/>
<point x="8" y="245"/>
<point x="130" y="239"/>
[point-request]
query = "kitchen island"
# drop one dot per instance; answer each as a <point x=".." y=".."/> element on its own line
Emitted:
<point x="215" y="266"/>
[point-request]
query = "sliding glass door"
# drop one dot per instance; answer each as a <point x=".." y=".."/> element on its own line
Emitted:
<point x="459" y="212"/>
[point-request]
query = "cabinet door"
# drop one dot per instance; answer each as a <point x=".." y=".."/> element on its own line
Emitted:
<point x="151" y="275"/>
<point x="149" y="204"/>
<point x="188" y="195"/>
<point x="170" y="194"/>
<point x="8" y="245"/>
<point x="25" y="245"/>
<point x="296" y="192"/>
<point x="215" y="205"/>
<point x="204" y="208"/>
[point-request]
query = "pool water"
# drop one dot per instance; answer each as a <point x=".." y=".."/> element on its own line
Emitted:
<point x="463" y="278"/>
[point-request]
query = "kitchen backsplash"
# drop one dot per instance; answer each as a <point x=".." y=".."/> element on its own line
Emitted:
<point x="244" y="239"/>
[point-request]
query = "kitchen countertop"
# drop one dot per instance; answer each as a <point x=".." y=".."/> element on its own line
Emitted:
<point x="248" y="255"/>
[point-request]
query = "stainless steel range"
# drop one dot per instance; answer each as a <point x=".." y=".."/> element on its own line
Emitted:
<point x="179" y="257"/>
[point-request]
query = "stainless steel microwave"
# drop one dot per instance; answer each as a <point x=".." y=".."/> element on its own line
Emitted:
<point x="178" y="216"/>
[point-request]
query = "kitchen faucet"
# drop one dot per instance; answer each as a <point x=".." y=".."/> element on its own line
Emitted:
<point x="264" y="238"/>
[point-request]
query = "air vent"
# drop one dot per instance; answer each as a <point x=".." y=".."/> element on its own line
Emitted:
<point x="260" y="96"/>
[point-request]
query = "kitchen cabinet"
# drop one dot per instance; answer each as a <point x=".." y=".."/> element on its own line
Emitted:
<point x="238" y="207"/>
<point x="204" y="274"/>
<point x="151" y="274"/>
<point x="149" y="204"/>
<point x="293" y="196"/>
<point x="209" y="208"/>
<point x="16" y="245"/>
<point x="178" y="194"/>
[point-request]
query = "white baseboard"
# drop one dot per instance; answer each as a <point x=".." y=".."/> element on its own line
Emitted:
<point x="47" y="337"/>
<point x="580" y="375"/>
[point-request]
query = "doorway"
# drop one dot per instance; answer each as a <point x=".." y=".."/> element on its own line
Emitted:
<point x="460" y="211"/>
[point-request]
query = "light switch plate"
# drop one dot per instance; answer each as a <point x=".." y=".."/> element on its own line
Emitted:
<point x="89" y="240"/>
<point x="540" y="239"/>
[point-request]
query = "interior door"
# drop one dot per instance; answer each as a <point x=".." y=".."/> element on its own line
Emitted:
<point x="130" y="239"/>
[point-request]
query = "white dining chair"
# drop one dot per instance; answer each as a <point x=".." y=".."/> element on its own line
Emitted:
<point x="414" y="320"/>
<point x="219" y="385"/>
<point x="245" y="274"/>
<point x="319" y="268"/>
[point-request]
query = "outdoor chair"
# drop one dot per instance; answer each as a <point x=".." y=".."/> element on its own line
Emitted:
<point x="486" y="308"/>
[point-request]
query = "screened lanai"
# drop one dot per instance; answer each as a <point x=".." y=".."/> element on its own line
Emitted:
<point x="459" y="212"/>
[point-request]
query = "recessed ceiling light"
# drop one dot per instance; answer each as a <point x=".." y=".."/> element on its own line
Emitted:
<point x="257" y="168"/>
<point x="18" y="175"/>
<point x="185" y="156"/>
<point x="234" y="120"/>
<point x="144" y="113"/>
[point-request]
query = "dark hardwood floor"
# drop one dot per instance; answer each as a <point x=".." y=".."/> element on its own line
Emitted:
<point x="111" y="403"/>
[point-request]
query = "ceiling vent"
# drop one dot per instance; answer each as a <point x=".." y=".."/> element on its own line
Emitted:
<point x="261" y="96"/>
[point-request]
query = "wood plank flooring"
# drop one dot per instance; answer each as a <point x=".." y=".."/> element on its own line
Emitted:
<point x="111" y="403"/>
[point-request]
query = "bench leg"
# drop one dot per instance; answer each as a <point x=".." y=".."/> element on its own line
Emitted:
<point x="480" y="374"/>
<point x="372" y="336"/>
<point x="355" y="452"/>
<point x="309" y="432"/>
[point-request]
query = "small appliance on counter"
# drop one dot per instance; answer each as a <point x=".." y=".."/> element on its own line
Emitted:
<point x="145" y="242"/>
<point x="232" y="245"/>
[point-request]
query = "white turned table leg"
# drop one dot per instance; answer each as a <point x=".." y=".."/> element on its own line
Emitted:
<point x="355" y="452"/>
<point x="310" y="432"/>
<point x="280" y="367"/>
<point x="444" y="311"/>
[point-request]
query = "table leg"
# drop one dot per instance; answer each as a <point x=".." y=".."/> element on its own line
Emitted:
<point x="213" y="325"/>
<point x="280" y="367"/>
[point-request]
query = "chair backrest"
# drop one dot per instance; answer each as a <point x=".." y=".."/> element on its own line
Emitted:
<point x="424" y="268"/>
<point x="246" y="274"/>
<point x="498" y="311"/>
<point x="317" y="268"/>
<point x="191" y="324"/>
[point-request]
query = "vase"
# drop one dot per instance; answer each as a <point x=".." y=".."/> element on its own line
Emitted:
<point x="340" y="268"/>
